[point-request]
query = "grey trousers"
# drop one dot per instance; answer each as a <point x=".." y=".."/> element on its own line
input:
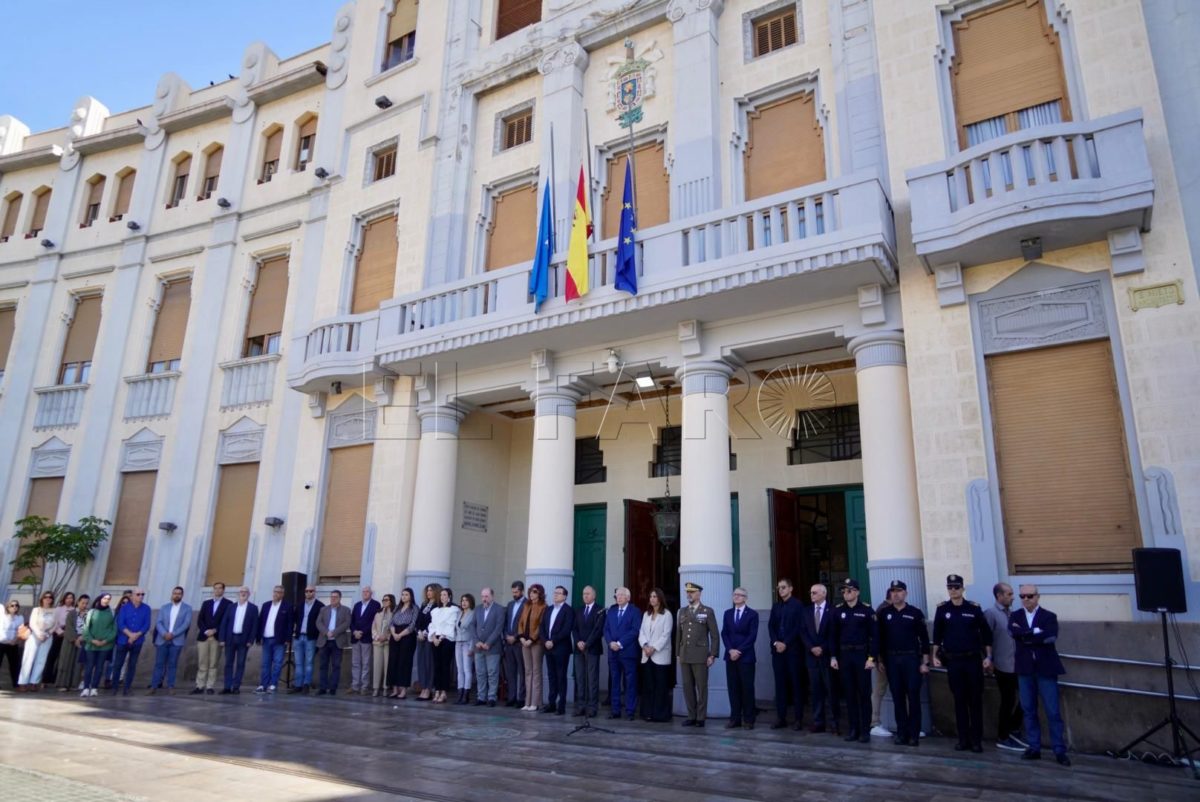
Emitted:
<point x="487" y="675"/>
<point x="587" y="678"/>
<point x="695" y="689"/>
<point x="360" y="666"/>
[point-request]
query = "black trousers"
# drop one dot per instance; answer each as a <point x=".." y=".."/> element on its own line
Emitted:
<point x="856" y="687"/>
<point x="331" y="665"/>
<point x="740" y="678"/>
<point x="512" y="666"/>
<point x="587" y="681"/>
<point x="790" y="688"/>
<point x="824" y="709"/>
<point x="443" y="665"/>
<point x="966" y="684"/>
<point x="1009" y="719"/>
<point x="904" y="680"/>
<point x="558" y="661"/>
<point x="656" y="700"/>
<point x="12" y="652"/>
<point x="50" y="673"/>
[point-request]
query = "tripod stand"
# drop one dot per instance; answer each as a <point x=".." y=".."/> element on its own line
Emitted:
<point x="1180" y="754"/>
<point x="586" y="726"/>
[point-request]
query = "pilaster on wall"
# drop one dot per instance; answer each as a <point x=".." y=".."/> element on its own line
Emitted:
<point x="562" y="72"/>
<point x="857" y="93"/>
<point x="695" y="121"/>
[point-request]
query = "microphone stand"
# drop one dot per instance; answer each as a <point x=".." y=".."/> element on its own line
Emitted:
<point x="587" y="725"/>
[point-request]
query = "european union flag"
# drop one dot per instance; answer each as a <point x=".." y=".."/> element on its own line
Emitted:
<point x="539" y="276"/>
<point x="626" y="249"/>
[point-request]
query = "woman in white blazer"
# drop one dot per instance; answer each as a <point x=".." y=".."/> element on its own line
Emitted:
<point x="655" y="640"/>
<point x="442" y="625"/>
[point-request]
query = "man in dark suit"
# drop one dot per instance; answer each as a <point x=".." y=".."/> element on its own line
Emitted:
<point x="361" y="619"/>
<point x="239" y="629"/>
<point x="588" y="638"/>
<point x="787" y="654"/>
<point x="557" y="623"/>
<point x="208" y="644"/>
<point x="814" y="633"/>
<point x="621" y="625"/>
<point x="738" y="634"/>
<point x="513" y="663"/>
<point x="1038" y="668"/>
<point x="304" y="639"/>
<point x="275" y="633"/>
<point x="333" y="635"/>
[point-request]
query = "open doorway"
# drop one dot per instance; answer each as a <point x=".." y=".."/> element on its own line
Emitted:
<point x="819" y="535"/>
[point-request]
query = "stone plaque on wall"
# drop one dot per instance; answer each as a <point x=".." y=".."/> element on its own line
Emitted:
<point x="474" y="516"/>
<point x="1156" y="295"/>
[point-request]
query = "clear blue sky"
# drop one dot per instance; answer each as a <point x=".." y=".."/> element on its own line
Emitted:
<point x="56" y="51"/>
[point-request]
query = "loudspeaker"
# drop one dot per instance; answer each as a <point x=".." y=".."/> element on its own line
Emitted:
<point x="294" y="583"/>
<point x="1158" y="579"/>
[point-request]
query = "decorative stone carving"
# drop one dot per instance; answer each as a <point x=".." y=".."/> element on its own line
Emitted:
<point x="316" y="404"/>
<point x="870" y="304"/>
<point x="569" y="56"/>
<point x="170" y="94"/>
<point x="241" y="442"/>
<point x="645" y="57"/>
<point x="1036" y="319"/>
<point x="352" y="424"/>
<point x="339" y="50"/>
<point x="949" y="282"/>
<point x="1125" y="250"/>
<point x="1163" y="503"/>
<point x="678" y="9"/>
<point x="142" y="452"/>
<point x="49" y="459"/>
<point x="689" y="338"/>
<point x="87" y="118"/>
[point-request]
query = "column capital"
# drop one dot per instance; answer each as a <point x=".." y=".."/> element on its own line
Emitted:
<point x="570" y="55"/>
<point x="678" y="9"/>
<point x="555" y="401"/>
<point x="704" y="377"/>
<point x="877" y="349"/>
<point x="441" y="418"/>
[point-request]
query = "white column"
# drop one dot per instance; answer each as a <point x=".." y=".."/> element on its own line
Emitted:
<point x="433" y="503"/>
<point x="705" y="529"/>
<point x="550" y="550"/>
<point x="695" y="121"/>
<point x="889" y="468"/>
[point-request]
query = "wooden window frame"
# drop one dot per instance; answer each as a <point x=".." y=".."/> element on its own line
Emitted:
<point x="518" y="16"/>
<point x="762" y="25"/>
<point x="383" y="162"/>
<point x="518" y="129"/>
<point x="399" y="51"/>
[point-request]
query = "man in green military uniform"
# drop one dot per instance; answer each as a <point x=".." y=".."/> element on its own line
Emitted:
<point x="696" y="643"/>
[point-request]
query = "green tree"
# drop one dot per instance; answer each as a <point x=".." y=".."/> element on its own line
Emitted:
<point x="51" y="554"/>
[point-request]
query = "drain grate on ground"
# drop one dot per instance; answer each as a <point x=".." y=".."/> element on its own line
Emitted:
<point x="469" y="733"/>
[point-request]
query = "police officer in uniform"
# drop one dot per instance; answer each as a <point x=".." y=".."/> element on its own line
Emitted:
<point x="697" y="641"/>
<point x="904" y="650"/>
<point x="853" y="646"/>
<point x="961" y="635"/>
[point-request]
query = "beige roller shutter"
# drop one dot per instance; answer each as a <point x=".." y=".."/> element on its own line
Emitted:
<point x="1007" y="58"/>
<point x="85" y="326"/>
<point x="96" y="190"/>
<point x="212" y="167"/>
<point x="11" y="213"/>
<point x="270" y="295"/>
<point x="375" y="274"/>
<point x="347" y="490"/>
<point x="653" y="189"/>
<point x="274" y="146"/>
<point x="171" y="323"/>
<point x="513" y="233"/>
<point x="8" y="325"/>
<point x="183" y="167"/>
<point x="309" y="128"/>
<point x="130" y="528"/>
<point x="1065" y="488"/>
<point x="786" y="148"/>
<point x="124" y="194"/>
<point x="231" y="524"/>
<point x="41" y="204"/>
<point x="513" y="15"/>
<point x="44" y="495"/>
<point x="403" y="20"/>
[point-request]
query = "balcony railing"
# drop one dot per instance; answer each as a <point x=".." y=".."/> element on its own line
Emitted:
<point x="977" y="205"/>
<point x="151" y="395"/>
<point x="59" y="406"/>
<point x="339" y="349"/>
<point x="249" y="381"/>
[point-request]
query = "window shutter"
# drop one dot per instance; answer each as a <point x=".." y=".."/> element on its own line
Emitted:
<point x="8" y="321"/>
<point x="762" y="38"/>
<point x="267" y="302"/>
<point x="786" y="148"/>
<point x="1007" y="58"/>
<point x="212" y="167"/>
<point x="309" y="128"/>
<point x="96" y="190"/>
<point x="513" y="234"/>
<point x="44" y="495"/>
<point x="375" y="274"/>
<point x="171" y="322"/>
<point x="124" y="194"/>
<point x="789" y="29"/>
<point x="346" y="495"/>
<point x="653" y="186"/>
<point x="183" y="167"/>
<point x="231" y="524"/>
<point x="41" y="204"/>
<point x="85" y="326"/>
<point x="11" y="213"/>
<point x="1065" y="488"/>
<point x="513" y="15"/>
<point x="274" y="145"/>
<point x="130" y="529"/>
<point x="403" y="20"/>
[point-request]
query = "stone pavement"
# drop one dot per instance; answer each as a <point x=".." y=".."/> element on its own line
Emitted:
<point x="183" y="748"/>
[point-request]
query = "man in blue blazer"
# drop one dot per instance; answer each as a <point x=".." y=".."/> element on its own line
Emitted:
<point x="557" y="623"/>
<point x="208" y="645"/>
<point x="275" y="633"/>
<point x="738" y="634"/>
<point x="814" y="633"/>
<point x="1038" y="668"/>
<point x="170" y="633"/>
<point x="239" y="629"/>
<point x="588" y="639"/>
<point x="621" y="625"/>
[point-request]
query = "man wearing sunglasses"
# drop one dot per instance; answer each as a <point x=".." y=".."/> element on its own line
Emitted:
<point x="1038" y="667"/>
<point x="962" y="641"/>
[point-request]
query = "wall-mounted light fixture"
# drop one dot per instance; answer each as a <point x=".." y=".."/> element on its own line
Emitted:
<point x="613" y="360"/>
<point x="132" y="225"/>
<point x="336" y="388"/>
<point x="224" y="203"/>
<point x="167" y="526"/>
<point x="645" y="381"/>
<point x="383" y="102"/>
<point x="321" y="172"/>
<point x="47" y="243"/>
<point x="273" y="522"/>
<point x="1031" y="249"/>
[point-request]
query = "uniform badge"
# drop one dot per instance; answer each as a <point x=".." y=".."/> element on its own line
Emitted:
<point x="947" y="616"/>
<point x="889" y="616"/>
<point x="843" y="616"/>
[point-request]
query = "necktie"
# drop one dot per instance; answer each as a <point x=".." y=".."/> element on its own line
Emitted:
<point x="817" y="617"/>
<point x="737" y="616"/>
<point x="587" y="611"/>
<point x="620" y="614"/>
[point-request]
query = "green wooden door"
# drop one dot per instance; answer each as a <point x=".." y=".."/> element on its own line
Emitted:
<point x="856" y="540"/>
<point x="591" y="521"/>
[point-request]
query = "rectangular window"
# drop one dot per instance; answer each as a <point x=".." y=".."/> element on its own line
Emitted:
<point x="589" y="462"/>
<point x="166" y="346"/>
<point x="785" y="147"/>
<point x="668" y="454"/>
<point x="831" y="434"/>
<point x="265" y="322"/>
<point x="81" y="339"/>
<point x="124" y="196"/>
<point x="513" y="15"/>
<point x="271" y="151"/>
<point x="232" y="521"/>
<point x="347" y="491"/>
<point x="385" y="163"/>
<point x="651" y="182"/>
<point x="1066" y="493"/>
<point x="212" y="173"/>
<point x="304" y="146"/>
<point x="375" y="272"/>
<point x="44" y="496"/>
<point x="41" y="204"/>
<point x="91" y="207"/>
<point x="401" y="34"/>
<point x="513" y="231"/>
<point x="8" y="323"/>
<point x="400" y="50"/>
<point x="11" y="213"/>
<point x="774" y="32"/>
<point x="129" y="530"/>
<point x="518" y="129"/>
<point x="179" y="182"/>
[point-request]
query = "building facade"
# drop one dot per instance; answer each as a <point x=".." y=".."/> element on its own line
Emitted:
<point x="916" y="296"/>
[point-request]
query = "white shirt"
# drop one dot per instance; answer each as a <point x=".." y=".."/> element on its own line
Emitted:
<point x="270" y="626"/>
<point x="1029" y="617"/>
<point x="553" y="615"/>
<point x="239" y="617"/>
<point x="304" y="621"/>
<point x="174" y="615"/>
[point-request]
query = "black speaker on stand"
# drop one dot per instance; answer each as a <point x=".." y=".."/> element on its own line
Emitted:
<point x="293" y="583"/>
<point x="1158" y="582"/>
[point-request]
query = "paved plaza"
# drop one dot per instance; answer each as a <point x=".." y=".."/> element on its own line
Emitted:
<point x="306" y="748"/>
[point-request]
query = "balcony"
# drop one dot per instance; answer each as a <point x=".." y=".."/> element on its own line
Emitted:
<point x="59" y="407"/>
<point x="1068" y="183"/>
<point x="804" y="245"/>
<point x="151" y="395"/>
<point x="248" y="382"/>
<point x="338" y="349"/>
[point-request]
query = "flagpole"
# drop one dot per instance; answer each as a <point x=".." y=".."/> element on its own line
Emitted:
<point x="632" y="169"/>
<point x="553" y="183"/>
<point x="587" y="132"/>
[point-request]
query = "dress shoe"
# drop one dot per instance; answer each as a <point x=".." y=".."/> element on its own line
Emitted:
<point x="732" y="725"/>
<point x="1031" y="754"/>
<point x="196" y="691"/>
<point x="577" y="713"/>
<point x="480" y="703"/>
<point x="631" y="717"/>
<point x="852" y="736"/>
<point x="699" y="723"/>
<point x="779" y="725"/>
<point x="226" y="691"/>
<point x="321" y="692"/>
<point x="961" y="747"/>
<point x="798" y="727"/>
<point x="211" y="691"/>
<point x="615" y="715"/>
<point x="691" y="722"/>
<point x="491" y="703"/>
<point x="815" y="728"/>
<point x="914" y="741"/>
<point x="1062" y="759"/>
<point x="865" y="738"/>
<point x="749" y="725"/>
<point x="547" y="708"/>
<point x="977" y="748"/>
<point x="900" y="740"/>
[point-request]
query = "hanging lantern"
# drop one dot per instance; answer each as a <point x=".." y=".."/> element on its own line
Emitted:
<point x="666" y="523"/>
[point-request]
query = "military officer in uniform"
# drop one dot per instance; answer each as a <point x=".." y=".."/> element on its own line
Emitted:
<point x="853" y="650"/>
<point x="904" y="650"/>
<point x="696" y="644"/>
<point x="961" y="637"/>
